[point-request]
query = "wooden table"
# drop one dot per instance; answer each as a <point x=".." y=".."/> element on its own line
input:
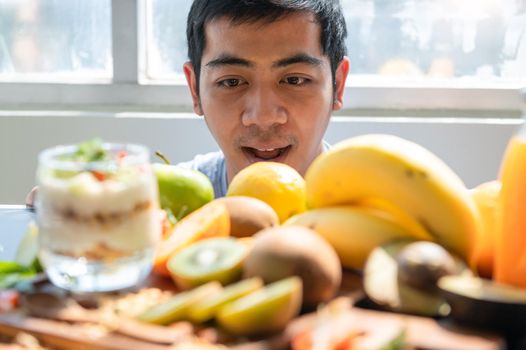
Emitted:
<point x="421" y="332"/>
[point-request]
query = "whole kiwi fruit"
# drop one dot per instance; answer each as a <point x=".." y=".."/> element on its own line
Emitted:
<point x="249" y="215"/>
<point x="294" y="250"/>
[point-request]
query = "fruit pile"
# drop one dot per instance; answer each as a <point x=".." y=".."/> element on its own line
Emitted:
<point x="248" y="285"/>
<point x="276" y="245"/>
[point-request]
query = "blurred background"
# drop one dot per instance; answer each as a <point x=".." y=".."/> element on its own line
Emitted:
<point x="463" y="39"/>
<point x="443" y="73"/>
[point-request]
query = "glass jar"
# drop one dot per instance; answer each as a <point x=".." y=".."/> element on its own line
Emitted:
<point x="97" y="216"/>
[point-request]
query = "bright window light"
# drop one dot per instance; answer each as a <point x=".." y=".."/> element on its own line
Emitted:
<point x="55" y="39"/>
<point x="411" y="40"/>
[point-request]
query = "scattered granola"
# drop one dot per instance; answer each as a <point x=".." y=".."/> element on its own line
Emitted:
<point x="132" y="304"/>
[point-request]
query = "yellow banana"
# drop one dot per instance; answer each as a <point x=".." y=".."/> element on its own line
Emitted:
<point x="353" y="231"/>
<point x="403" y="174"/>
<point x="395" y="213"/>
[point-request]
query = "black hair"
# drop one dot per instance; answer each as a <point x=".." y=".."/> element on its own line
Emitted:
<point x="328" y="14"/>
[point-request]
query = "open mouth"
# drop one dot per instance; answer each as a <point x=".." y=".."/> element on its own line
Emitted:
<point x="266" y="154"/>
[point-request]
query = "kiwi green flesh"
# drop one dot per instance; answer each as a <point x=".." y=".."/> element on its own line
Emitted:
<point x="267" y="310"/>
<point x="208" y="307"/>
<point x="176" y="308"/>
<point x="208" y="257"/>
<point x="270" y="292"/>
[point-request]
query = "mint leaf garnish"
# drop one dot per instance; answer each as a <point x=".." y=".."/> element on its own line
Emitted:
<point x="91" y="151"/>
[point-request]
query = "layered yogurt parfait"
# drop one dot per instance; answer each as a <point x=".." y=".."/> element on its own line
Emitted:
<point x="98" y="215"/>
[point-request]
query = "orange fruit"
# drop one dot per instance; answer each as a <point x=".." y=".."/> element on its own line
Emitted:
<point x="277" y="184"/>
<point x="486" y="197"/>
<point x="211" y="220"/>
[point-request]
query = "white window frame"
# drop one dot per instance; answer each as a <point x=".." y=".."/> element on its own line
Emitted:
<point x="129" y="88"/>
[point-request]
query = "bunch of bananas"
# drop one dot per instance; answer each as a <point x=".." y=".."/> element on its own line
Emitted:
<point x="374" y="188"/>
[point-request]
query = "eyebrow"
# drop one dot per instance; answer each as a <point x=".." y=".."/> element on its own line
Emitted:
<point x="229" y="60"/>
<point x="299" y="58"/>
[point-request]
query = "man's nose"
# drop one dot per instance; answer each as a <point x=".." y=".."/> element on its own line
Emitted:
<point x="264" y="108"/>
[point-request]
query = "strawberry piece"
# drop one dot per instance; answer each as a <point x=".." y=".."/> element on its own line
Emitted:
<point x="9" y="299"/>
<point x="99" y="175"/>
<point x="121" y="155"/>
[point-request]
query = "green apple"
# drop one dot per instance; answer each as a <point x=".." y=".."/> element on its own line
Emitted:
<point x="265" y="310"/>
<point x="181" y="191"/>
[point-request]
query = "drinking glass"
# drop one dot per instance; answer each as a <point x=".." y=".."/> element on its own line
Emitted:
<point x="97" y="215"/>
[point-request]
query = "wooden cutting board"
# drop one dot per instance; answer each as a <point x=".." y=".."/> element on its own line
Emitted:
<point x="421" y="332"/>
<point x="378" y="327"/>
<point x="67" y="336"/>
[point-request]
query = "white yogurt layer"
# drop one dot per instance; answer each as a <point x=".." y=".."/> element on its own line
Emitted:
<point x="80" y="213"/>
<point x="85" y="195"/>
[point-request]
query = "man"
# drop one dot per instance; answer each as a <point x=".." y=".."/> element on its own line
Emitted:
<point x="266" y="75"/>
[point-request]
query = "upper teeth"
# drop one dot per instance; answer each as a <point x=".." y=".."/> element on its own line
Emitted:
<point x="266" y="150"/>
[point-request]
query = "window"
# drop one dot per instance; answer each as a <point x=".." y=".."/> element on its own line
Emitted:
<point x="474" y="39"/>
<point x="53" y="39"/>
<point x="406" y="54"/>
<point x="410" y="38"/>
<point x="166" y="38"/>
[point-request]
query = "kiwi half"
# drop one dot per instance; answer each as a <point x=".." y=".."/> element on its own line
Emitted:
<point x="207" y="308"/>
<point x="176" y="308"/>
<point x="214" y="259"/>
<point x="249" y="215"/>
<point x="267" y="310"/>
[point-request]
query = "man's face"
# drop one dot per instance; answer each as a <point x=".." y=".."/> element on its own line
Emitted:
<point x="266" y="90"/>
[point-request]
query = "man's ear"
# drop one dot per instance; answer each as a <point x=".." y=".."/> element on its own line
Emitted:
<point x="340" y="78"/>
<point x="189" y="73"/>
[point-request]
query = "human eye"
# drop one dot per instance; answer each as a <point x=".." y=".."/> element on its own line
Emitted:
<point x="295" y="80"/>
<point x="230" y="82"/>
